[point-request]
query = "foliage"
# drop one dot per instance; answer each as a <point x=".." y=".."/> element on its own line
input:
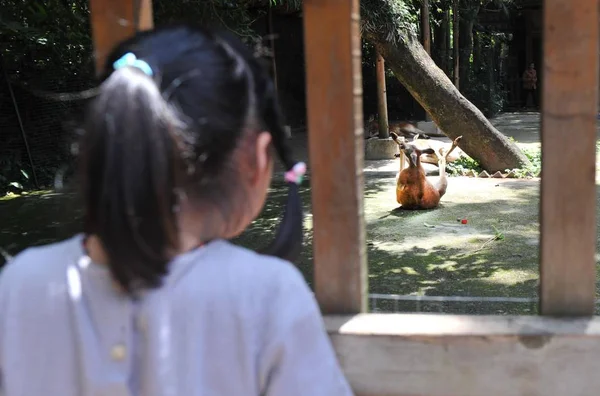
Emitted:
<point x="535" y="167"/>
<point x="231" y="15"/>
<point x="484" y="88"/>
<point x="463" y="164"/>
<point x="534" y="155"/>
<point x="399" y="18"/>
<point x="13" y="176"/>
<point x="47" y="50"/>
<point x="34" y="42"/>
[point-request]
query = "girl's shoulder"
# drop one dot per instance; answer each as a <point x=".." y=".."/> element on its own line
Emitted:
<point x="224" y="260"/>
<point x="40" y="265"/>
<point x="229" y="274"/>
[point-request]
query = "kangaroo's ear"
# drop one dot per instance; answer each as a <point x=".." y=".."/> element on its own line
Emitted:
<point x="428" y="150"/>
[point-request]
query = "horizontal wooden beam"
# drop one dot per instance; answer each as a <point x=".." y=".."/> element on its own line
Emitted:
<point x="447" y="355"/>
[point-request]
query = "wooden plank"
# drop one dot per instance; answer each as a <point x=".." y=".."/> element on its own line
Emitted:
<point x="568" y="189"/>
<point x="336" y="144"/>
<point x="115" y="20"/>
<point x="444" y="355"/>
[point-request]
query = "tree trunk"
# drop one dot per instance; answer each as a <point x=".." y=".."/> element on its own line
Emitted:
<point x="448" y="60"/>
<point x="476" y="52"/>
<point x="426" y="37"/>
<point x="466" y="49"/>
<point x="425" y="28"/>
<point x="490" y="82"/>
<point x="468" y="16"/>
<point x="455" y="34"/>
<point x="427" y="83"/>
<point x="441" y="43"/>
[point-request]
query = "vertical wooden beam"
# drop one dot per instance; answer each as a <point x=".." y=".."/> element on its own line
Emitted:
<point x="568" y="192"/>
<point x="384" y="130"/>
<point x="336" y="143"/>
<point x="115" y="20"/>
<point x="455" y="34"/>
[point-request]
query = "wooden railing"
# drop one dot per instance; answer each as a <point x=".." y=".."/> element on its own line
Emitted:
<point x="434" y="355"/>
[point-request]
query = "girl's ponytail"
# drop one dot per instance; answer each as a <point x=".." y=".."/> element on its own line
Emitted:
<point x="290" y="234"/>
<point x="129" y="159"/>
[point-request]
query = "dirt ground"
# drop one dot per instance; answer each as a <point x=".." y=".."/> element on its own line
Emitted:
<point x="409" y="252"/>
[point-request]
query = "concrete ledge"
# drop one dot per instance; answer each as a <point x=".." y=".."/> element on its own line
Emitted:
<point x="380" y="149"/>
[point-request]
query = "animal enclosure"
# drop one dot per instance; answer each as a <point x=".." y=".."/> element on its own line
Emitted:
<point x="403" y="354"/>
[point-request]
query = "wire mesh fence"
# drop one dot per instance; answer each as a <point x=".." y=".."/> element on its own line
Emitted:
<point x="46" y="52"/>
<point x="395" y="303"/>
<point x="35" y="132"/>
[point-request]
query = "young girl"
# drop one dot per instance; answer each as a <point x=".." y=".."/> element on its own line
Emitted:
<point x="175" y="159"/>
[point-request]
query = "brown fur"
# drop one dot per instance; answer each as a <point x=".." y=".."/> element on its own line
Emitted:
<point x="413" y="188"/>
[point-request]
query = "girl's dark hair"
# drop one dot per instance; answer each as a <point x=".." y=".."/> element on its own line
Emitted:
<point x="149" y="137"/>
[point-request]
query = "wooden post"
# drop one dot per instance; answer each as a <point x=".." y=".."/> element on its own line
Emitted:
<point x="426" y="36"/>
<point x="336" y="143"/>
<point x="568" y="189"/>
<point x="115" y="20"/>
<point x="455" y="33"/>
<point x="384" y="130"/>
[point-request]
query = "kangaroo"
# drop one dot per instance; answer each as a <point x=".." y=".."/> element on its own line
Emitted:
<point x="413" y="189"/>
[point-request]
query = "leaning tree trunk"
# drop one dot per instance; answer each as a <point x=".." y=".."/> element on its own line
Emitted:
<point x="428" y="84"/>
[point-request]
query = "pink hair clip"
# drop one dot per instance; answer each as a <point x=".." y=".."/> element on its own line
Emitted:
<point x="296" y="174"/>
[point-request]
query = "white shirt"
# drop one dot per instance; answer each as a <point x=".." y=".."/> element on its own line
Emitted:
<point x="227" y="321"/>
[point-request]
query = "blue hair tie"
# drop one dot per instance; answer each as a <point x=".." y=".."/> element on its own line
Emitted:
<point x="129" y="59"/>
